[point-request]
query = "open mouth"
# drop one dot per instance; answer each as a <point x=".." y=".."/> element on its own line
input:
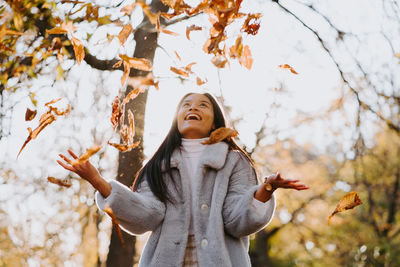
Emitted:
<point x="192" y="116"/>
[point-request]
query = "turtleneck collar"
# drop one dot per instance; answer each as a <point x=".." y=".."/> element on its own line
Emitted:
<point x="193" y="146"/>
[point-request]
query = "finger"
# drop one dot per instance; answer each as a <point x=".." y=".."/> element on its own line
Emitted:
<point x="72" y="154"/>
<point x="65" y="158"/>
<point x="65" y="166"/>
<point x="289" y="181"/>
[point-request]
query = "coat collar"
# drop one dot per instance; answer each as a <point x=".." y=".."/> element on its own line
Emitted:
<point x="214" y="156"/>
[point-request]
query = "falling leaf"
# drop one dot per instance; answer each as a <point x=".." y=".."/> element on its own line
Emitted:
<point x="124" y="33"/>
<point x="191" y="28"/>
<point x="137" y="63"/>
<point x="30" y="114"/>
<point x="118" y="64"/>
<point x="177" y="55"/>
<point x="85" y="156"/>
<point x="286" y="66"/>
<point x="163" y="30"/>
<point x="115" y="223"/>
<point x="4" y="31"/>
<point x="219" y="61"/>
<point x="132" y="95"/>
<point x="251" y="28"/>
<point x="199" y="81"/>
<point x="127" y="70"/>
<point x="220" y="134"/>
<point x="189" y="66"/>
<point x="52" y="102"/>
<point x="147" y="11"/>
<point x="61" y="182"/>
<point x="116" y="112"/>
<point x="180" y="71"/>
<point x="78" y="49"/>
<point x="124" y="147"/>
<point x="236" y="50"/>
<point x="128" y="9"/>
<point x="65" y="27"/>
<point x="246" y="58"/>
<point x="349" y="201"/>
<point x="142" y="82"/>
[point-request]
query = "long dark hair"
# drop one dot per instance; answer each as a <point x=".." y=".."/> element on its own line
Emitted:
<point x="152" y="170"/>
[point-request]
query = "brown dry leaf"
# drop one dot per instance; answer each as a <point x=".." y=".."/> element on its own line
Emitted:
<point x="45" y="120"/>
<point x="127" y="70"/>
<point x="65" y="27"/>
<point x="199" y="81"/>
<point x="142" y="82"/>
<point x="219" y="61"/>
<point x="30" y="114"/>
<point x="220" y="134"/>
<point x="180" y="71"/>
<point x="128" y="132"/>
<point x="147" y="11"/>
<point x="5" y="31"/>
<point x="177" y="55"/>
<point x="116" y="112"/>
<point x="163" y="30"/>
<point x="52" y="102"/>
<point x="169" y="16"/>
<point x="251" y="28"/>
<point x="246" y="59"/>
<point x="189" y="66"/>
<point x="124" y="147"/>
<point x="349" y="201"/>
<point x="78" y="49"/>
<point x="137" y="63"/>
<point x="124" y="33"/>
<point x="118" y="64"/>
<point x="191" y="28"/>
<point x="85" y="156"/>
<point x="236" y="50"/>
<point x="286" y="66"/>
<point x="132" y="95"/>
<point x="128" y="9"/>
<point x="61" y="112"/>
<point x="115" y="223"/>
<point x="61" y="182"/>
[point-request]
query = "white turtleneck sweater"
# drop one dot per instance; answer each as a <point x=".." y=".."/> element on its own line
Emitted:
<point x="191" y="150"/>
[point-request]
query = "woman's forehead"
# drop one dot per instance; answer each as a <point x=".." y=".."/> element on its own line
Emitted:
<point x="196" y="97"/>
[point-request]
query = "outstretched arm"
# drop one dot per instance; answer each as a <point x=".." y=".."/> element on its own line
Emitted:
<point x="86" y="171"/>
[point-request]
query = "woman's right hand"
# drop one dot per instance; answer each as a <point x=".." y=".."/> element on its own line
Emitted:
<point x="86" y="171"/>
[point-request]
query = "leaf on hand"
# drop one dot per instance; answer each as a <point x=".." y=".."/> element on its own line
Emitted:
<point x="251" y="28"/>
<point x="116" y="112"/>
<point x="349" y="201"/>
<point x="220" y="134"/>
<point x="85" y="156"/>
<point x="61" y="182"/>
<point x="286" y="66"/>
<point x="30" y="114"/>
<point x="180" y="71"/>
<point x="137" y="63"/>
<point x="199" y="81"/>
<point x="124" y="147"/>
<point x="191" y="28"/>
<point x="78" y="49"/>
<point x="115" y="223"/>
<point x="219" y="61"/>
<point x="124" y="33"/>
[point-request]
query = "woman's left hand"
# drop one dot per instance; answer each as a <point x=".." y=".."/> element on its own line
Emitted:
<point x="276" y="181"/>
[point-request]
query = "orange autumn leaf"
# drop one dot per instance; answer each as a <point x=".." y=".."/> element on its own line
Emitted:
<point x="219" y="61"/>
<point x="220" y="134"/>
<point x="286" y="66"/>
<point x="349" y="201"/>
<point x="147" y="11"/>
<point x="127" y="70"/>
<point x="65" y="27"/>
<point x="251" y="28"/>
<point x="142" y="82"/>
<point x="78" y="49"/>
<point x="124" y="33"/>
<point x="52" y="102"/>
<point x="30" y="114"/>
<point x="61" y="182"/>
<point x="246" y="58"/>
<point x="115" y="223"/>
<point x="163" y="30"/>
<point x="4" y="31"/>
<point x="199" y="81"/>
<point x="177" y="55"/>
<point x="124" y="147"/>
<point x="85" y="156"/>
<point x="189" y="66"/>
<point x="116" y="112"/>
<point x="191" y="28"/>
<point x="137" y="63"/>
<point x="118" y="64"/>
<point x="127" y="10"/>
<point x="236" y="50"/>
<point x="128" y="132"/>
<point x="180" y="71"/>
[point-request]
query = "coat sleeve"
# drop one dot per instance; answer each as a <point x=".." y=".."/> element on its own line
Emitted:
<point x="240" y="214"/>
<point x="137" y="212"/>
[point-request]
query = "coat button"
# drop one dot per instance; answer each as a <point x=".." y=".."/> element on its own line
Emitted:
<point x="204" y="170"/>
<point x="204" y="243"/>
<point x="204" y="207"/>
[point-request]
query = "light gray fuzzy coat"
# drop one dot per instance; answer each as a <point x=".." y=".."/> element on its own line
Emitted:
<point x="223" y="220"/>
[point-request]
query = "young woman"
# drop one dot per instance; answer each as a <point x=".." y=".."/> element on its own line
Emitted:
<point x="201" y="202"/>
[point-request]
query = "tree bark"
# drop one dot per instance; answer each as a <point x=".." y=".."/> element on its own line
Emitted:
<point x="131" y="162"/>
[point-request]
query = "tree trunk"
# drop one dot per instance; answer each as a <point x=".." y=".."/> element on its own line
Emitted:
<point x="131" y="162"/>
<point x="259" y="253"/>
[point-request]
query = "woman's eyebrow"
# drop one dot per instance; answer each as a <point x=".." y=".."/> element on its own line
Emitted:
<point x="204" y="101"/>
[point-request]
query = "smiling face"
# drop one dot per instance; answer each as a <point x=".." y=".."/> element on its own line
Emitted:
<point x="195" y="117"/>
